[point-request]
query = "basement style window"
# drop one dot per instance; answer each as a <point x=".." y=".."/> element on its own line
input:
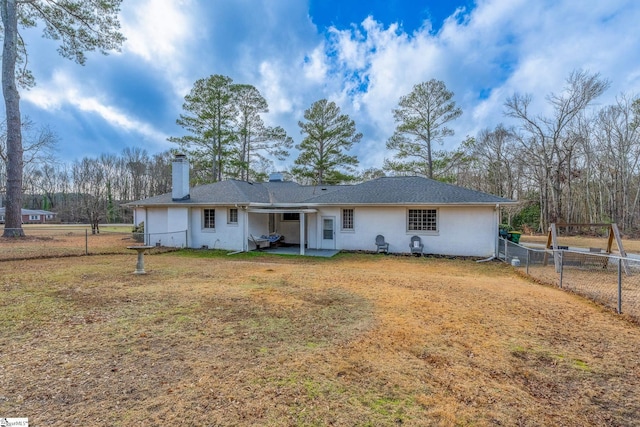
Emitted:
<point x="232" y="217"/>
<point x="209" y="219"/>
<point x="422" y="220"/>
<point x="347" y="219"/>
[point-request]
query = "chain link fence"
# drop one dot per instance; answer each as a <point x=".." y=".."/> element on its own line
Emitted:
<point x="172" y="239"/>
<point x="76" y="240"/>
<point x="608" y="279"/>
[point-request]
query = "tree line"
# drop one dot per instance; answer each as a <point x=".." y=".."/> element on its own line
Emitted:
<point x="574" y="164"/>
<point x="93" y="189"/>
<point x="79" y="26"/>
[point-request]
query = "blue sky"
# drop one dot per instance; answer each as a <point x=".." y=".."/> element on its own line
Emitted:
<point x="362" y="55"/>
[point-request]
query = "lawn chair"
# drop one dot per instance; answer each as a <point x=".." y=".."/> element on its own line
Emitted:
<point x="416" y="246"/>
<point x="381" y="245"/>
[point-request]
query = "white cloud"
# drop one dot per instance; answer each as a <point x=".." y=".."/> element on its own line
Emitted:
<point x="116" y="118"/>
<point x="161" y="32"/>
<point x="315" y="66"/>
<point x="62" y="92"/>
<point x="485" y="55"/>
<point x="156" y="30"/>
<point x="272" y="88"/>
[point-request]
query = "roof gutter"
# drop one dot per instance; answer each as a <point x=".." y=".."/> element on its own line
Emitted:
<point x="282" y="210"/>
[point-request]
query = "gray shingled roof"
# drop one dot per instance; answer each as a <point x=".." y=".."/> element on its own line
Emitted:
<point x="405" y="190"/>
<point x="381" y="191"/>
<point x="223" y="192"/>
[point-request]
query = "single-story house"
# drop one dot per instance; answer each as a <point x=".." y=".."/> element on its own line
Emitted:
<point x="30" y="216"/>
<point x="238" y="215"/>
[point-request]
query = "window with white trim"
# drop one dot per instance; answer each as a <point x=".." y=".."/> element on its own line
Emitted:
<point x="34" y="217"/>
<point x="209" y="219"/>
<point x="347" y="219"/>
<point x="422" y="220"/>
<point x="232" y="217"/>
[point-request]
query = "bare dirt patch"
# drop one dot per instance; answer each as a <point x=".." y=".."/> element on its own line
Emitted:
<point x="354" y="340"/>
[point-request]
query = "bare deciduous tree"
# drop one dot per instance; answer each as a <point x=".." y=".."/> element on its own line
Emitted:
<point x="80" y="26"/>
<point x="549" y="142"/>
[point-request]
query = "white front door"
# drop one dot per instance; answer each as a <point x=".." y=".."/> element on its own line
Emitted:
<point x="328" y="232"/>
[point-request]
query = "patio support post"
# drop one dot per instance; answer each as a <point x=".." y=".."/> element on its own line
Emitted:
<point x="245" y="229"/>
<point x="302" y="232"/>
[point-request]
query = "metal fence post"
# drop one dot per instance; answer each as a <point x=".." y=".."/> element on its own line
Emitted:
<point x="619" y="285"/>
<point x="506" y="251"/>
<point x="561" y="253"/>
<point x="528" y="259"/>
<point x="86" y="241"/>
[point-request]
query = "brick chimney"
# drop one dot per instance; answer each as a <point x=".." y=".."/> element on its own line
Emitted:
<point x="180" y="178"/>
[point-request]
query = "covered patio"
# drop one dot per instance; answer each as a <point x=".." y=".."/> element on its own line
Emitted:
<point x="295" y="249"/>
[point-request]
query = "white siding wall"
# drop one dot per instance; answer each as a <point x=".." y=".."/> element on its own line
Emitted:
<point x="156" y="225"/>
<point x="224" y="236"/>
<point x="177" y="226"/>
<point x="289" y="229"/>
<point x="258" y="224"/>
<point x="312" y="220"/>
<point x="462" y="231"/>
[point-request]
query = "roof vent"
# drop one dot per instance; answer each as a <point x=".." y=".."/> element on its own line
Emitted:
<point x="276" y="177"/>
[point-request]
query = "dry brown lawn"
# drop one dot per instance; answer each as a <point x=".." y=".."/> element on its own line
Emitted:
<point x="357" y="340"/>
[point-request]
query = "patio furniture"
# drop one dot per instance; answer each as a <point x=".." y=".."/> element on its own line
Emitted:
<point x="381" y="245"/>
<point x="416" y="245"/>
<point x="274" y="238"/>
<point x="260" y="243"/>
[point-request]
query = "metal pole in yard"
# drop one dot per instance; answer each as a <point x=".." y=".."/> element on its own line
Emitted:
<point x="619" y="285"/>
<point x="86" y="241"/>
<point x="506" y="251"/>
<point x="528" y="259"/>
<point x="561" y="253"/>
